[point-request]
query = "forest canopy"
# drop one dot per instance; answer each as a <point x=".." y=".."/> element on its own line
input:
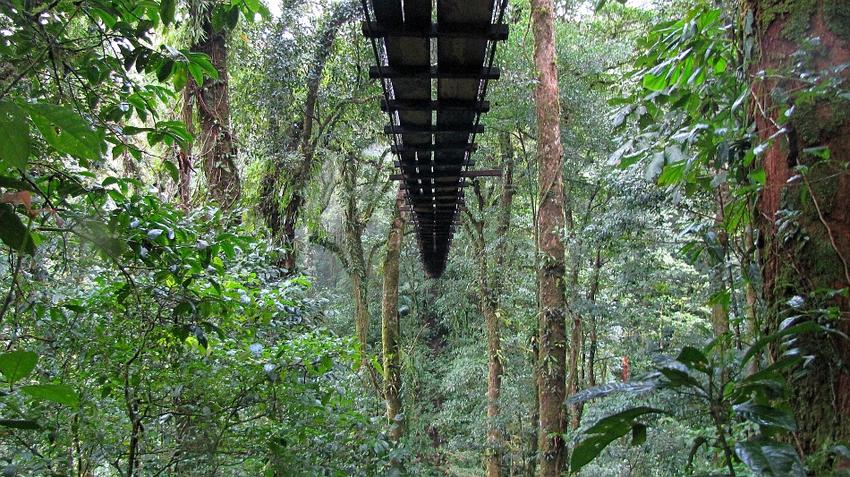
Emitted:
<point x="212" y="264"/>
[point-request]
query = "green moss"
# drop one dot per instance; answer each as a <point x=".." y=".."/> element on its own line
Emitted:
<point x="837" y="16"/>
<point x="797" y="16"/>
<point x="812" y="126"/>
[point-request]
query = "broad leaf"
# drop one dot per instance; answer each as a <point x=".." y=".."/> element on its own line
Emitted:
<point x="800" y="328"/>
<point x="770" y="459"/>
<point x="57" y="393"/>
<point x="13" y="232"/>
<point x="67" y="131"/>
<point x="766" y="416"/>
<point x="14" y="136"/>
<point x="16" y="365"/>
<point x="166" y="10"/>
<point x="634" y="386"/>
<point x="693" y="359"/>
<point x="605" y="431"/>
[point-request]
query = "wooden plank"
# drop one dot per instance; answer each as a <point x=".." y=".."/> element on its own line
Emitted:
<point x="437" y="30"/>
<point x="483" y="173"/>
<point x="439" y="167"/>
<point x="433" y="147"/>
<point x="433" y="72"/>
<point x="391" y="129"/>
<point x="434" y="105"/>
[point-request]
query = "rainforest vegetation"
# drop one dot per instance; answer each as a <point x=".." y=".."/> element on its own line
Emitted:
<point x="205" y="269"/>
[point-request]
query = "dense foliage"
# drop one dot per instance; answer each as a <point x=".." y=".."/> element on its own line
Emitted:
<point x="158" y="321"/>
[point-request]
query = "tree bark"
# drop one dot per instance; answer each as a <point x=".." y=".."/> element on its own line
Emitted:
<point x="813" y="256"/>
<point x="184" y="156"/>
<point x="354" y="227"/>
<point x="594" y="338"/>
<point x="390" y="329"/>
<point x="218" y="152"/>
<point x="551" y="224"/>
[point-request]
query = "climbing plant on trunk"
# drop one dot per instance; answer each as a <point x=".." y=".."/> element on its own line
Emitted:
<point x="801" y="114"/>
<point x="550" y="223"/>
<point x="217" y="145"/>
<point x="490" y="284"/>
<point x="390" y="323"/>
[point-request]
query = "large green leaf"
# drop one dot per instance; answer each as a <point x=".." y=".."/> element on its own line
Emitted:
<point x="693" y="359"/>
<point x="57" y="393"/>
<point x="633" y="386"/>
<point x="14" y="136"/>
<point x="16" y="365"/>
<point x="13" y="232"/>
<point x="166" y="10"/>
<point x="770" y="459"/>
<point x="766" y="416"/>
<point x="787" y="328"/>
<point x="67" y="131"/>
<point x="605" y="431"/>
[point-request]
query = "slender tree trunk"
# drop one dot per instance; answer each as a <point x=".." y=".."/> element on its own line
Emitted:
<point x="390" y="329"/>
<point x="356" y="258"/>
<point x="751" y="296"/>
<point x="289" y="183"/>
<point x="594" y="339"/>
<point x="814" y="257"/>
<point x="218" y="151"/>
<point x="493" y="453"/>
<point x="551" y="224"/>
<point x="184" y="156"/>
<point x="490" y="288"/>
<point x="721" y="295"/>
<point x="575" y="329"/>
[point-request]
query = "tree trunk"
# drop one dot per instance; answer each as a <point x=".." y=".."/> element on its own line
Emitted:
<point x="551" y="224"/>
<point x="720" y="294"/>
<point x="575" y="328"/>
<point x="813" y="256"/>
<point x="283" y="223"/>
<point x="356" y="258"/>
<point x="594" y="337"/>
<point x="490" y="284"/>
<point x="390" y="329"/>
<point x="218" y="152"/>
<point x="184" y="156"/>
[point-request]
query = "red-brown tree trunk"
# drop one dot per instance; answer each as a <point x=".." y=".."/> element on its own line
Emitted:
<point x="552" y="384"/>
<point x="813" y="196"/>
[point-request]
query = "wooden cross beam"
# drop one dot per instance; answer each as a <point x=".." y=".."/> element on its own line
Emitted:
<point x="437" y="30"/>
<point x="433" y="72"/>
<point x="466" y="129"/>
<point x="435" y="105"/>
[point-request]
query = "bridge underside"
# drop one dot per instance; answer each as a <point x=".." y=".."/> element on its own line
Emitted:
<point x="434" y="67"/>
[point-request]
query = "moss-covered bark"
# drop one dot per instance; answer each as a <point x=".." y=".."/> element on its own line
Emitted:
<point x="803" y="212"/>
<point x="390" y="324"/>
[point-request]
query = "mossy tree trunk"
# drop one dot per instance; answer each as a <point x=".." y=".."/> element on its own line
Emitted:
<point x="803" y="213"/>
<point x="550" y="275"/>
<point x="282" y="193"/>
<point x="218" y="149"/>
<point x="490" y="285"/>
<point x="390" y="329"/>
